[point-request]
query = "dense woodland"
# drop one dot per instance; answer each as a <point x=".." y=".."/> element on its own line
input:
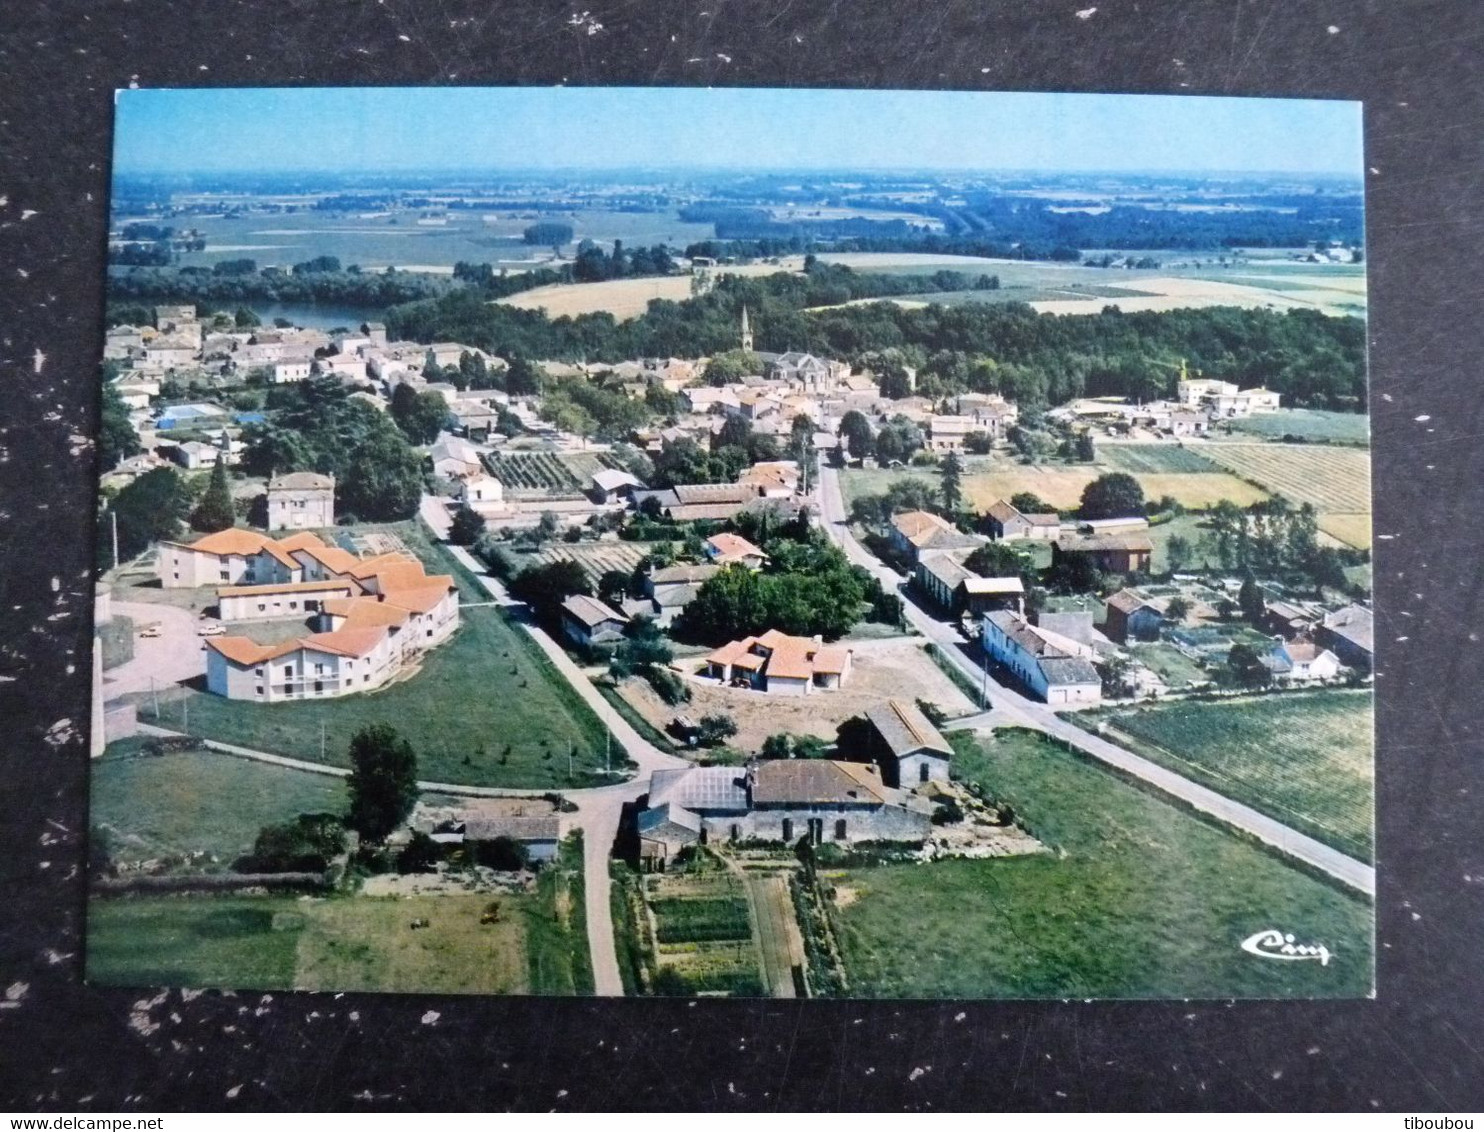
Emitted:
<point x="1312" y="359"/>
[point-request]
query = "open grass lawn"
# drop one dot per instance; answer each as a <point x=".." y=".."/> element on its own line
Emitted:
<point x="486" y="708"/>
<point x="245" y="942"/>
<point x="192" y="801"/>
<point x="285" y="943"/>
<point x="1173" y="666"/>
<point x="1141" y="899"/>
<point x="1304" y="758"/>
<point x="368" y="943"/>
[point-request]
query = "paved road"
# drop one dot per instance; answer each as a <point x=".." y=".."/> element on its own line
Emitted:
<point x="600" y="809"/>
<point x="1010" y="707"/>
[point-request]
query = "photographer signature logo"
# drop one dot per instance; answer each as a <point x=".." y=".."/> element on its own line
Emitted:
<point x="1273" y="944"/>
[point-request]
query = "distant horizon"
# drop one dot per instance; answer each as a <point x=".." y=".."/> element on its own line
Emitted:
<point x="389" y="133"/>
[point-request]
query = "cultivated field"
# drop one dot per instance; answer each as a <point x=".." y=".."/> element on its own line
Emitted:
<point x="881" y="669"/>
<point x="547" y="475"/>
<point x="1337" y="481"/>
<point x="1314" y="425"/>
<point x="1165" y="293"/>
<point x="624" y="298"/>
<point x="703" y="934"/>
<point x="1305" y="759"/>
<point x="1139" y="899"/>
<point x="197" y="801"/>
<point x="1153" y="459"/>
<point x="1062" y="486"/>
<point x="595" y="558"/>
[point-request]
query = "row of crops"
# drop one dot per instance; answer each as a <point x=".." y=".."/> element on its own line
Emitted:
<point x="596" y="559"/>
<point x="1153" y="458"/>
<point x="703" y="935"/>
<point x="529" y="475"/>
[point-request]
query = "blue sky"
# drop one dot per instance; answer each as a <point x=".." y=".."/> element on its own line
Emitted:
<point x="441" y="128"/>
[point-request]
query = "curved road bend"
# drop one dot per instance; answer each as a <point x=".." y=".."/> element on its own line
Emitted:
<point x="1010" y="707"/>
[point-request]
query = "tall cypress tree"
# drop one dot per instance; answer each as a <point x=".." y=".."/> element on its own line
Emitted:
<point x="215" y="512"/>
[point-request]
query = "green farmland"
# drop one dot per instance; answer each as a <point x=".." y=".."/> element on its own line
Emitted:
<point x="1139" y="899"/>
<point x="530" y="943"/>
<point x="1303" y="758"/>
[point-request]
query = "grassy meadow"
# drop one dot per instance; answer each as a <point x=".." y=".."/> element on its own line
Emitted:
<point x="1306" y="759"/>
<point x="1139" y="899"/>
<point x="197" y="801"/>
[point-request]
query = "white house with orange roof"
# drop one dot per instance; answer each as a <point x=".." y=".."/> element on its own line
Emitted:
<point x="374" y="614"/>
<point x="726" y="549"/>
<point x="780" y="664"/>
<point x="232" y="557"/>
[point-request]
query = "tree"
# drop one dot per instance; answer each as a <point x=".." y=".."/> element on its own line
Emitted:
<point x="215" y="511"/>
<point x="467" y="526"/>
<point x="1250" y="600"/>
<point x="419" y="855"/>
<point x="148" y="510"/>
<point x="999" y="560"/>
<point x="383" y="781"/>
<point x="1178" y="609"/>
<point x="778" y="746"/>
<point x="384" y="480"/>
<point x="307" y="844"/>
<point x="897" y="440"/>
<point x="715" y="728"/>
<point x="952" y="485"/>
<point x="1085" y="448"/>
<point x="1178" y="552"/>
<point x="544" y="587"/>
<point x="1246" y="667"/>
<point x="117" y="439"/>
<point x="549" y="233"/>
<point x="1028" y="503"/>
<point x="730" y="366"/>
<point x="613" y="586"/>
<point x="1114" y="495"/>
<point x="420" y="416"/>
<point x="246" y="319"/>
<point x="523" y="377"/>
<point x="855" y="429"/>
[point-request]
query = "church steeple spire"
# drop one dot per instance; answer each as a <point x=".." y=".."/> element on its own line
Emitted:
<point x="746" y="331"/>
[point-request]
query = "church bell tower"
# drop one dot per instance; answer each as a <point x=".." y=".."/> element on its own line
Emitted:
<point x="746" y="332"/>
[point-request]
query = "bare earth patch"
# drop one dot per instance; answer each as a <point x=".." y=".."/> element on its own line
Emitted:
<point x="882" y="670"/>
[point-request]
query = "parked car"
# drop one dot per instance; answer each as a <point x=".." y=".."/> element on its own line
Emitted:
<point x="150" y="631"/>
<point x="211" y="631"/>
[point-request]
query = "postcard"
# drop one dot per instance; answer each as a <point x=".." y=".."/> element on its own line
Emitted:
<point x="764" y="543"/>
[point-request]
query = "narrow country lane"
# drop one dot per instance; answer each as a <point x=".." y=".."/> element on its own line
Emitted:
<point x="1010" y="707"/>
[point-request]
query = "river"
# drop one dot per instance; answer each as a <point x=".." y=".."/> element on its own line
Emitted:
<point x="318" y="316"/>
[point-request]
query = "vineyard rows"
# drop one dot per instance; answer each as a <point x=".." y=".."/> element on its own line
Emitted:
<point x="551" y="474"/>
<point x="1331" y="478"/>
<point x="596" y="559"/>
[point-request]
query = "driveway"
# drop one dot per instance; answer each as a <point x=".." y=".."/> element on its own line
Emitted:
<point x="173" y="657"/>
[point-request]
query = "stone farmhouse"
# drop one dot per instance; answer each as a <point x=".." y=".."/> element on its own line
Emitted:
<point x="1132" y="616"/>
<point x="1111" y="554"/>
<point x="671" y="588"/>
<point x="1005" y="523"/>
<point x="781" y="800"/>
<point x="914" y="532"/>
<point x="780" y="664"/>
<point x="587" y="621"/>
<point x="1055" y="668"/>
<point x="1349" y="633"/>
<point x="1301" y="662"/>
<point x="910" y="750"/>
<point x="301" y="500"/>
<point x="953" y="587"/>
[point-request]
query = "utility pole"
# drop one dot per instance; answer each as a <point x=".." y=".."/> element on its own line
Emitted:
<point x="570" y="745"/>
<point x="984" y="687"/>
<point x="185" y="709"/>
<point x="114" y="521"/>
<point x="155" y="696"/>
<point x="321" y="740"/>
<point x="607" y="751"/>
